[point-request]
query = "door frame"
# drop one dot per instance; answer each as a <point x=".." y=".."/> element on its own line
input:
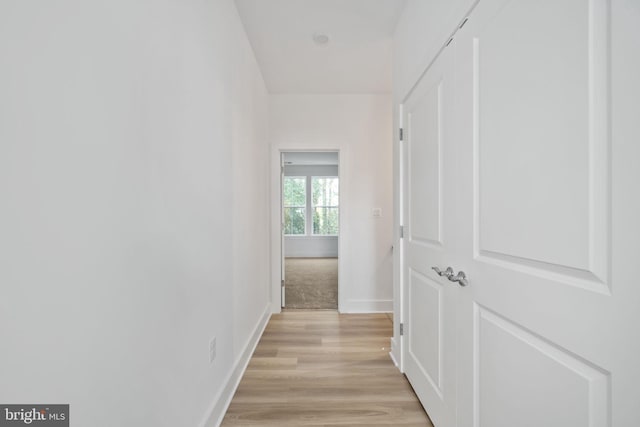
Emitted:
<point x="397" y="340"/>
<point x="277" y="249"/>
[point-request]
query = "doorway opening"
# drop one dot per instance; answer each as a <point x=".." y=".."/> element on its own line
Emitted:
<point x="310" y="209"/>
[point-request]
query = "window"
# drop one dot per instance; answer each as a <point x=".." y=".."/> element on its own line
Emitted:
<point x="295" y="205"/>
<point x="311" y="200"/>
<point x="324" y="204"/>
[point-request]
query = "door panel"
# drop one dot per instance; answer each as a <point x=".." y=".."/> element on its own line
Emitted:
<point x="546" y="336"/>
<point x="429" y="300"/>
<point x="541" y="138"/>
<point x="425" y="146"/>
<point x="282" y="235"/>
<point x="522" y="172"/>
<point x="516" y="366"/>
<point x="425" y="334"/>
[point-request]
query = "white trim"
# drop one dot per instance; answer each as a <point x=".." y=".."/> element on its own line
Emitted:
<point x="398" y="273"/>
<point x="368" y="306"/>
<point x="221" y="403"/>
<point x="393" y="354"/>
<point x="312" y="237"/>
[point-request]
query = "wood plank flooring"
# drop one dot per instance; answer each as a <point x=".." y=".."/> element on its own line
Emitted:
<point x="321" y="368"/>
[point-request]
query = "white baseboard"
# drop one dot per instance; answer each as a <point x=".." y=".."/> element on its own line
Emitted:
<point x="308" y="254"/>
<point x="395" y="353"/>
<point x="218" y="409"/>
<point x="367" y="306"/>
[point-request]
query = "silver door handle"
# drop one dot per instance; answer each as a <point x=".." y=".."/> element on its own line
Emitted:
<point x="447" y="273"/>
<point x="461" y="278"/>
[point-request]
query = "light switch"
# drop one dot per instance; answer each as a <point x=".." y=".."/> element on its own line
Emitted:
<point x="376" y="212"/>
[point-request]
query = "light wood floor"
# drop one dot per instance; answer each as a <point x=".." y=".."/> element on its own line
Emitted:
<point x="321" y="368"/>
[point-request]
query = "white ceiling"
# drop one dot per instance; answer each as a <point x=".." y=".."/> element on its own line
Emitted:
<point x="357" y="58"/>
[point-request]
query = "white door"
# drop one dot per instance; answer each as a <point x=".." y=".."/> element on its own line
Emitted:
<point x="282" y="234"/>
<point x="429" y="311"/>
<point x="548" y="176"/>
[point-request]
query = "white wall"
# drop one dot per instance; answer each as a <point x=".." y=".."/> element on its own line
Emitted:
<point x="120" y="126"/>
<point x="311" y="246"/>
<point x="359" y="126"/>
<point x="422" y="30"/>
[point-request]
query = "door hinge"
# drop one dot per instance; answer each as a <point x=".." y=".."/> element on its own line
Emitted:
<point x="402" y="231"/>
<point x="401" y="134"/>
<point x="401" y="329"/>
<point x="282" y="283"/>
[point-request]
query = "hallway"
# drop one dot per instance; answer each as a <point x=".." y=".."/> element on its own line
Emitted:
<point x="474" y="168"/>
<point x="318" y="368"/>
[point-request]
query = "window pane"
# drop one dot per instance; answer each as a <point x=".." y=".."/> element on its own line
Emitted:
<point x="294" y="220"/>
<point x="295" y="190"/>
<point x="325" y="221"/>
<point x="324" y="191"/>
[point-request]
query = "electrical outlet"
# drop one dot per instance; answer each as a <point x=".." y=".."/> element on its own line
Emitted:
<point x="212" y="350"/>
<point x="376" y="212"/>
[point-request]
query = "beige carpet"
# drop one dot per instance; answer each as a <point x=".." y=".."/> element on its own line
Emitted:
<point x="311" y="283"/>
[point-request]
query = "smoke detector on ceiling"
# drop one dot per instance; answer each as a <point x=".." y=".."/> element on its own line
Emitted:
<point x="320" y="38"/>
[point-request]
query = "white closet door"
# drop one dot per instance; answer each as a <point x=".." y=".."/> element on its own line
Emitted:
<point x="548" y="183"/>
<point x="430" y="300"/>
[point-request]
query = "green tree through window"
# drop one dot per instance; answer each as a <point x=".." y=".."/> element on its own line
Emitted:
<point x="325" y="205"/>
<point x="295" y="202"/>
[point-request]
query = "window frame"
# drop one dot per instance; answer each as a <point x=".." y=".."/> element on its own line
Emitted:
<point x="305" y="206"/>
<point x="312" y="206"/>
